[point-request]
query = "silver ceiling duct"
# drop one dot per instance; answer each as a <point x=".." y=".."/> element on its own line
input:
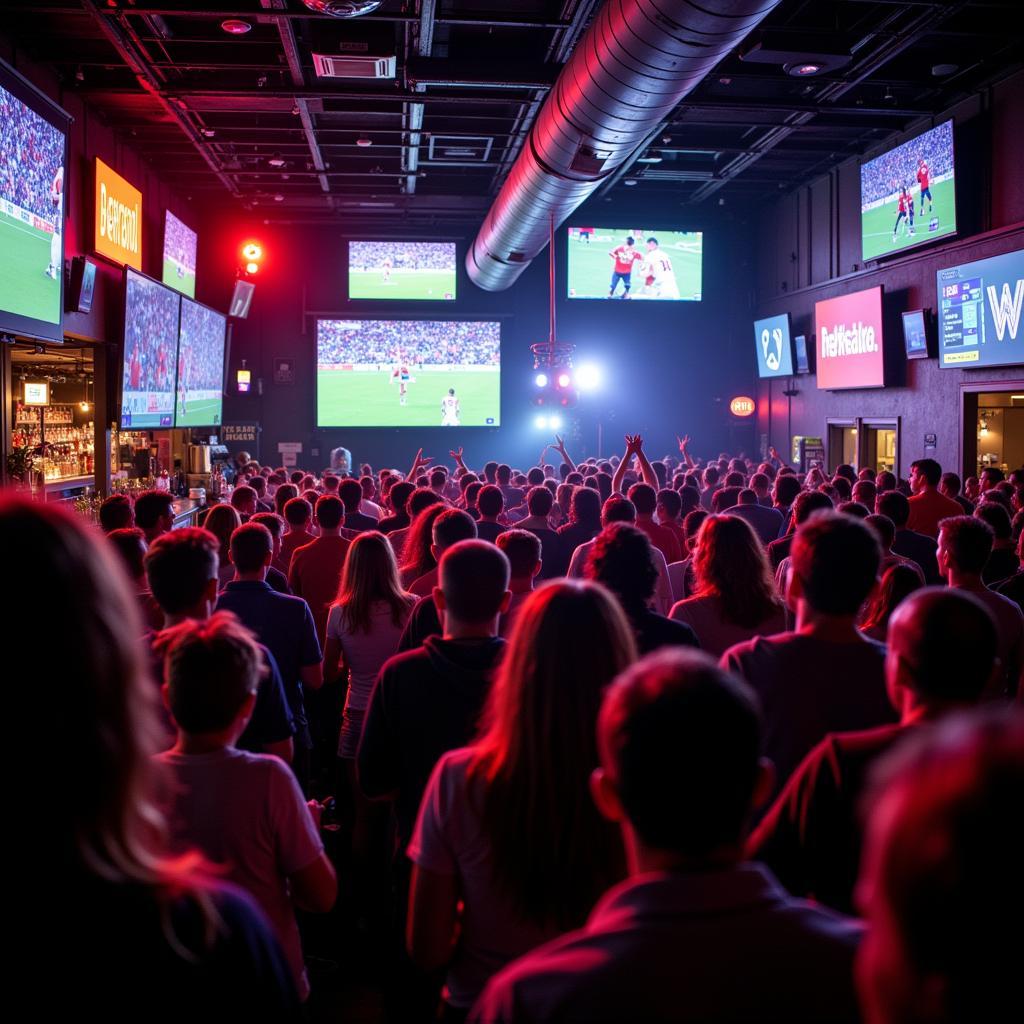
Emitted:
<point x="635" y="63"/>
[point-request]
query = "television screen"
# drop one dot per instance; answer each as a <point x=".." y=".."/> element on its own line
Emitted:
<point x="774" y="353"/>
<point x="803" y="364"/>
<point x="401" y="270"/>
<point x="408" y="373"/>
<point x="200" y="382"/>
<point x="907" y="195"/>
<point x="33" y="154"/>
<point x="150" y="347"/>
<point x="850" y="343"/>
<point x="179" y="256"/>
<point x="241" y="299"/>
<point x="915" y="334"/>
<point x="634" y="263"/>
<point x="980" y="306"/>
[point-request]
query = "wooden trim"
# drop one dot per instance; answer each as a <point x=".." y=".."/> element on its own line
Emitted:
<point x="967" y="441"/>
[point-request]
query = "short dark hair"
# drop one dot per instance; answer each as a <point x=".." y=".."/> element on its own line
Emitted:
<point x="884" y="527"/>
<point x="451" y="526"/>
<point x="952" y="482"/>
<point x="331" y="482"/>
<point x="298" y="511"/>
<point x="747" y="496"/>
<point x="420" y="499"/>
<point x="622" y="560"/>
<point x="151" y="506"/>
<point x="351" y="494"/>
<point x="895" y="505"/>
<point x="250" y="545"/>
<point x="725" y="498"/>
<point x="329" y="511"/>
<point x="993" y="473"/>
<point x="243" y="495"/>
<point x="398" y="495"/>
<point x="474" y="577"/>
<point x="760" y="480"/>
<point x="857" y="509"/>
<point x="272" y="521"/>
<point x="618" y="510"/>
<point x="680" y="740"/>
<point x="734" y="478"/>
<point x="929" y="469"/>
<point x="997" y="517"/>
<point x="787" y="487"/>
<point x="539" y="501"/>
<point x="116" y="513"/>
<point x="644" y="498"/>
<point x="503" y="473"/>
<point x="693" y="522"/>
<point x="522" y="549"/>
<point x="671" y="502"/>
<point x="836" y="559"/>
<point x="179" y="567"/>
<point x="211" y="668"/>
<point x="535" y="476"/>
<point x="968" y="540"/>
<point x="490" y="501"/>
<point x="130" y="545"/>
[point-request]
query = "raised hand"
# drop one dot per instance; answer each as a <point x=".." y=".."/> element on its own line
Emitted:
<point x="455" y="453"/>
<point x="634" y="444"/>
<point x="684" y="442"/>
<point x="559" y="444"/>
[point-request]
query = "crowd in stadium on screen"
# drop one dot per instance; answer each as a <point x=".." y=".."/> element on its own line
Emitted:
<point x="368" y="342"/>
<point x="202" y="352"/>
<point x="403" y="255"/>
<point x="150" y="323"/>
<point x="180" y="244"/>
<point x="881" y="177"/>
<point x="31" y="153"/>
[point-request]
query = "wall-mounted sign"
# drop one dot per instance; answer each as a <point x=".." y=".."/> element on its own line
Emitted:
<point x="850" y="343"/>
<point x="284" y="371"/>
<point x="36" y="393"/>
<point x="118" y="218"/>
<point x="742" y="406"/>
<point x="244" y="380"/>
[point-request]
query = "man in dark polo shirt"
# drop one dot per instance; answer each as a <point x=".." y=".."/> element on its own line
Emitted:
<point x="804" y="506"/>
<point x="918" y="547"/>
<point x="283" y="624"/>
<point x="696" y="933"/>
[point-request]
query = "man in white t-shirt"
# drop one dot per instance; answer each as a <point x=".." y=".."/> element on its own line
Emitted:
<point x="450" y="409"/>
<point x="245" y="812"/>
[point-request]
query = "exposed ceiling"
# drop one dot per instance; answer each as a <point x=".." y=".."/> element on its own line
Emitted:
<point x="248" y="115"/>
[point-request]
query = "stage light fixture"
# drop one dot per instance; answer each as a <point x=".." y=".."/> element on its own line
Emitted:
<point x="564" y="380"/>
<point x="541" y="380"/>
<point x="541" y="422"/>
<point x="589" y="377"/>
<point x="252" y="250"/>
<point x="555" y="422"/>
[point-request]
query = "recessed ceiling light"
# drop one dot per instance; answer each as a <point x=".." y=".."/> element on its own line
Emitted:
<point x="649" y="160"/>
<point x="235" y="26"/>
<point x="364" y="142"/>
<point x="803" y="69"/>
<point x="208" y="133"/>
<point x="276" y="160"/>
<point x="942" y="70"/>
<point x="278" y="198"/>
<point x="629" y="181"/>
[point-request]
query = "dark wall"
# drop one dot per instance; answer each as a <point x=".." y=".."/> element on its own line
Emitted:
<point x="670" y="367"/>
<point x="808" y="249"/>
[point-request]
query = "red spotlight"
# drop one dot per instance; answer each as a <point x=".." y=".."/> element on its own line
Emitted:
<point x="564" y="380"/>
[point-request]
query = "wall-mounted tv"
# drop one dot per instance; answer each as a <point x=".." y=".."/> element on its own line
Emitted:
<point x="200" y="382"/>
<point x="180" y="244"/>
<point x="33" y="155"/>
<point x="408" y="373"/>
<point x="401" y="270"/>
<point x="915" y="334"/>
<point x="774" y="350"/>
<point x="150" y="351"/>
<point x="850" y="343"/>
<point x="801" y="362"/>
<point x="980" y="310"/>
<point x="635" y="263"/>
<point x="908" y="194"/>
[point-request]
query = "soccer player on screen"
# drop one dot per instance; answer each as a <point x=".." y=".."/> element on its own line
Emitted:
<point x="401" y="375"/>
<point x="624" y="257"/>
<point x="923" y="180"/>
<point x="387" y="265"/>
<point x="57" y="199"/>
<point x="450" y="409"/>
<point x="901" y="214"/>
<point x="910" y="209"/>
<point x="659" y="280"/>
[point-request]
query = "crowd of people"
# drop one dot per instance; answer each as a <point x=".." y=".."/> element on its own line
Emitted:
<point x="180" y="244"/>
<point x="150" y="338"/>
<point x="402" y="255"/>
<point x="31" y="154"/>
<point x="416" y="343"/>
<point x="623" y="740"/>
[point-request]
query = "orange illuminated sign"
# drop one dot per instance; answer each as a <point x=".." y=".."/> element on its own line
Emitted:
<point x="118" y="218"/>
<point x="742" y="406"/>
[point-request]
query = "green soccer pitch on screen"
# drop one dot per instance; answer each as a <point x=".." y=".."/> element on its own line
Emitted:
<point x="401" y="270"/>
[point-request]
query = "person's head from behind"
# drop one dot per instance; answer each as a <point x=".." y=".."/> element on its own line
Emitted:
<point x="760" y="485"/>
<point x="734" y="478"/>
<point x="329" y="513"/>
<point x="523" y="551"/>
<point x="710" y="476"/>
<point x="809" y="502"/>
<point x="370" y="575"/>
<point x="243" y="499"/>
<point x="669" y="506"/>
<point x="116" y="513"/>
<point x="398" y="495"/>
<point x="154" y="513"/>
<point x="331" y="483"/>
<point x="617" y="510"/>
<point x="725" y="498"/>
<point x="730" y="564"/>
<point x="965" y="543"/>
<point x="212" y="671"/>
<point x="283" y="495"/>
<point x="535" y="476"/>
<point x="473" y="580"/>
<point x="898" y="582"/>
<point x="539" y="501"/>
<point x="504" y="474"/>
<point x="585" y="507"/>
<point x="865" y="492"/>
<point x="222" y="521"/>
<point x="537" y="749"/>
<point x="275" y="524"/>
<point x="834" y="565"/>
<point x="644" y="498"/>
<point x="785" y="489"/>
<point x="853" y="508"/>
<point x="420" y="499"/>
<point x="679" y="741"/>
<point x="747" y="496"/>
<point x="298" y="514"/>
<point x="998" y="518"/>
<point x="252" y="550"/>
<point x="490" y="502"/>
<point x="181" y="569"/>
<point x="622" y="560"/>
<point x="438" y="479"/>
<point x="472" y="492"/>
<point x="351" y="493"/>
<point x="130" y="545"/>
<point x="885" y="531"/>
<point x="103" y="715"/>
<point x="940" y="877"/>
<point x="949" y="485"/>
<point x="451" y="526"/>
<point x="259" y="485"/>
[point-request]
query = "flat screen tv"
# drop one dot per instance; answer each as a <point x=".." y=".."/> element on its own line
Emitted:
<point x="801" y="362"/>
<point x="408" y="373"/>
<point x="915" y="334"/>
<point x="635" y="263"/>
<point x="401" y="270"/>
<point x="980" y="310"/>
<point x="180" y="244"/>
<point x="851" y="346"/>
<point x="150" y="351"/>
<point x="908" y="194"/>
<point x="33" y="155"/>
<point x="199" y="390"/>
<point x="774" y="349"/>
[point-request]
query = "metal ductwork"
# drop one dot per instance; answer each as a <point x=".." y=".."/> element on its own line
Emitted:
<point x="635" y="63"/>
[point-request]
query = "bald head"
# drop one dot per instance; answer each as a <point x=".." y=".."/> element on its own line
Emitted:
<point x="941" y="648"/>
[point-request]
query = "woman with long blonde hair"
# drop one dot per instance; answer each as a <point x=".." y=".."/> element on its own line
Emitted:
<point x="507" y="827"/>
<point x="138" y="933"/>
<point x="222" y="521"/>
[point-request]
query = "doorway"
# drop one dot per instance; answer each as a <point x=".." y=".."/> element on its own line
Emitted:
<point x="842" y="443"/>
<point x="881" y="439"/>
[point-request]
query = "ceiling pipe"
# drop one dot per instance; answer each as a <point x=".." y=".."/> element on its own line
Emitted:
<point x="631" y="68"/>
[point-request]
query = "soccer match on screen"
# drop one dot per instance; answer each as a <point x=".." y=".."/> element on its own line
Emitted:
<point x="908" y="195"/>
<point x="31" y="211"/>
<point x="408" y="373"/>
<point x="179" y="256"/>
<point x="401" y="270"/>
<point x="635" y="263"/>
<point x="200" y="383"/>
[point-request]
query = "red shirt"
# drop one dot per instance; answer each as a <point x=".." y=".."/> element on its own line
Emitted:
<point x="625" y="258"/>
<point x="922" y="176"/>
<point x="928" y="508"/>
<point x="315" y="575"/>
<point x="903" y="203"/>
<point x="663" y="538"/>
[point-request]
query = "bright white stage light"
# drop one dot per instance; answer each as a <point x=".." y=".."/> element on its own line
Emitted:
<point x="541" y="423"/>
<point x="541" y="380"/>
<point x="589" y="377"/>
<point x="555" y="422"/>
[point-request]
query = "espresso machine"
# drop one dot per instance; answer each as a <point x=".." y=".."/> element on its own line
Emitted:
<point x="199" y="467"/>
